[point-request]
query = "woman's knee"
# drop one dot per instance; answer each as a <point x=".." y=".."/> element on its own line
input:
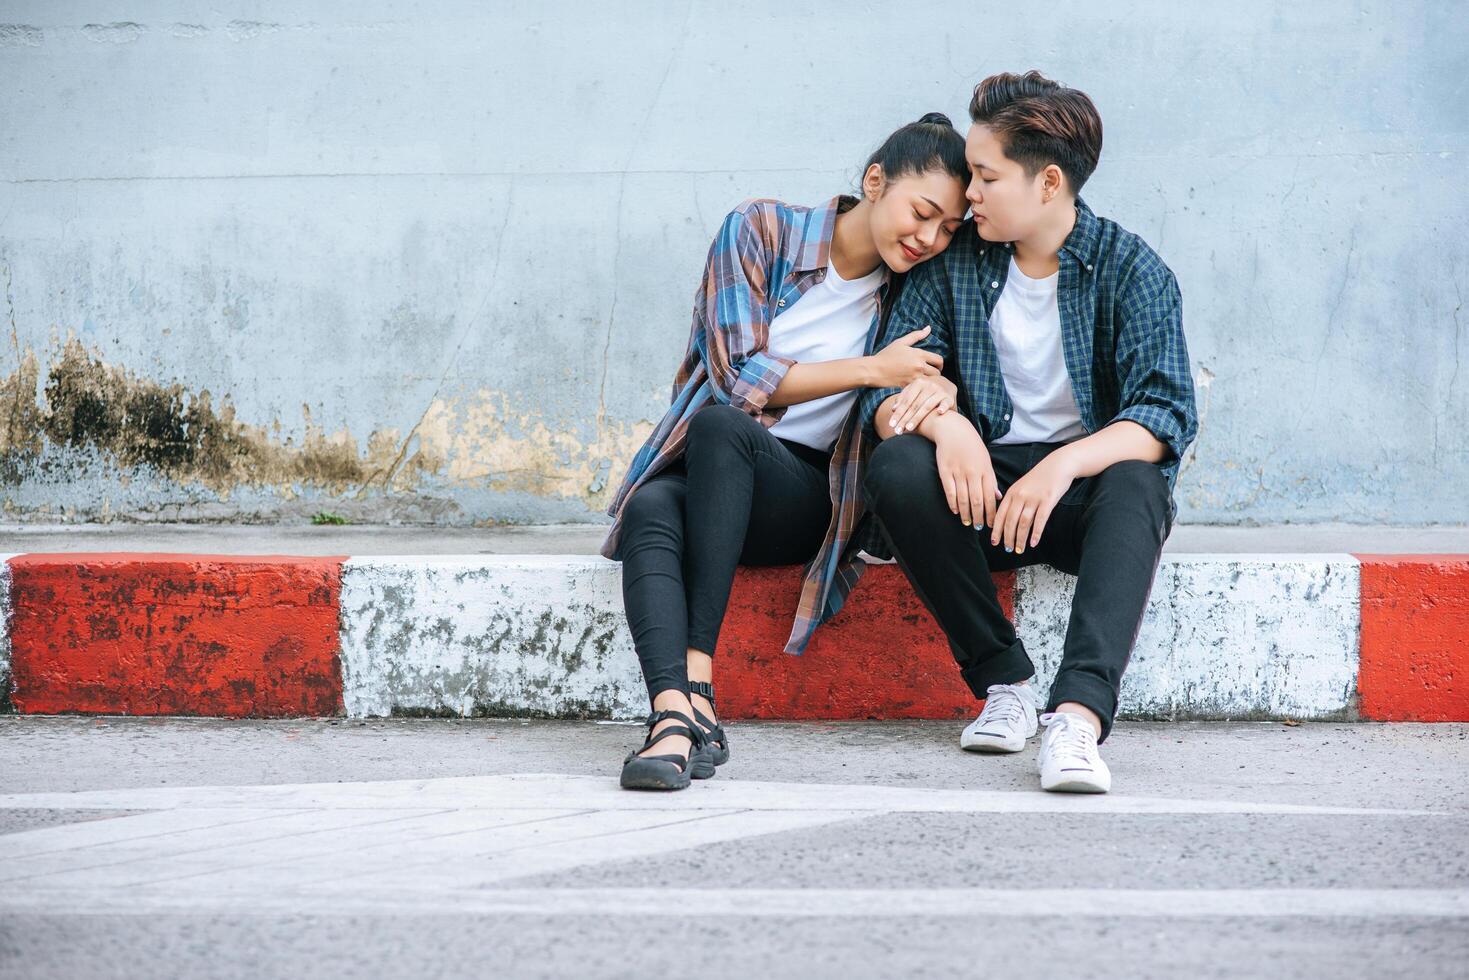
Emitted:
<point x="656" y="503"/>
<point x="717" y="426"/>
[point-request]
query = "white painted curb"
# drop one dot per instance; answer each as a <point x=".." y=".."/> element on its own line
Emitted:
<point x="1225" y="636"/>
<point x="500" y="635"/>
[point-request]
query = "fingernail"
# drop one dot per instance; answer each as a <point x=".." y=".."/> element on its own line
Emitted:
<point x="1008" y="550"/>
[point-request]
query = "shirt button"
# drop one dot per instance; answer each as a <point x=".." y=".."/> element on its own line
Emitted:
<point x="1088" y="268"/>
<point x="1007" y="416"/>
<point x="995" y="284"/>
<point x="781" y="303"/>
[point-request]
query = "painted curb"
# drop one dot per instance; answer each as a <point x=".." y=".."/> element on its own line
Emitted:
<point x="881" y="656"/>
<point x="496" y="635"/>
<point x="1377" y="637"/>
<point x="149" y="634"/>
<point x="6" y="707"/>
<point x="1224" y="636"/>
<point x="1415" y="637"/>
<point x="545" y="635"/>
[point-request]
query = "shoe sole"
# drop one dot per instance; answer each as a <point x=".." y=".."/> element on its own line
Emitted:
<point x="637" y="777"/>
<point x="653" y="774"/>
<point x="1071" y="784"/>
<point x="993" y="746"/>
<point x="701" y="764"/>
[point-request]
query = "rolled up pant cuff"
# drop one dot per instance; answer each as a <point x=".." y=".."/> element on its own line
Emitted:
<point x="1085" y="689"/>
<point x="1009" y="666"/>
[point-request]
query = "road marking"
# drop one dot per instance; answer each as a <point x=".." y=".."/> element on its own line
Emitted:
<point x="706" y="903"/>
<point x="450" y="844"/>
<point x="546" y="790"/>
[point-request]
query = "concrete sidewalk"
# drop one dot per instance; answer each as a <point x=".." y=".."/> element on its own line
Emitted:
<point x="190" y="847"/>
<point x="586" y="539"/>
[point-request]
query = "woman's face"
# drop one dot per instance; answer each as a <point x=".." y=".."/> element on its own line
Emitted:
<point x="915" y="217"/>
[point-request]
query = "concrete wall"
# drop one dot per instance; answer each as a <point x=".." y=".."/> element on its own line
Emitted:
<point x="434" y="262"/>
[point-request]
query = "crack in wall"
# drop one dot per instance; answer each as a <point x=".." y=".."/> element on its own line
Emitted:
<point x="617" y="232"/>
<point x="458" y="346"/>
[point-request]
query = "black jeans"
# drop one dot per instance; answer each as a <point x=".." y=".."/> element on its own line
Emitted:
<point x="738" y="496"/>
<point x="1108" y="530"/>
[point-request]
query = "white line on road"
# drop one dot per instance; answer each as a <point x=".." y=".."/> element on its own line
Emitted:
<point x="551" y="791"/>
<point x="708" y="903"/>
<point x="451" y="844"/>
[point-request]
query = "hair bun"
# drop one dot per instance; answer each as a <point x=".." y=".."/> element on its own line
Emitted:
<point x="937" y="119"/>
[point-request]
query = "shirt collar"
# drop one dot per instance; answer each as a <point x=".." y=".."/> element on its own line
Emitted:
<point x="1086" y="237"/>
<point x="814" y="252"/>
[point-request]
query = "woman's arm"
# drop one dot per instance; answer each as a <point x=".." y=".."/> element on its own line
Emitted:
<point x="808" y="381"/>
<point x="898" y="364"/>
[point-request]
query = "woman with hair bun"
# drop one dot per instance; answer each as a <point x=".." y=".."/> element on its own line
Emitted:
<point x="758" y="460"/>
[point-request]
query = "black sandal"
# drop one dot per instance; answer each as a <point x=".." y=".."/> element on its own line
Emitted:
<point x="668" y="771"/>
<point x="713" y="734"/>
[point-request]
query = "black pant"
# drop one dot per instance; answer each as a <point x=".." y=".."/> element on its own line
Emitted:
<point x="738" y="496"/>
<point x="1108" y="530"/>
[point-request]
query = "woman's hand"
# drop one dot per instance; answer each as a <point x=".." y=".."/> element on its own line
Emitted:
<point x="900" y="362"/>
<point x="930" y="393"/>
<point x="1029" y="502"/>
<point x="965" y="470"/>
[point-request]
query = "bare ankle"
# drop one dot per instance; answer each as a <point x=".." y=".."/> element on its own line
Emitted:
<point x="1074" y="708"/>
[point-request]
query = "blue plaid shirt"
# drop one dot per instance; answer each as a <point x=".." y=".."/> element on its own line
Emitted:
<point x="1121" y="333"/>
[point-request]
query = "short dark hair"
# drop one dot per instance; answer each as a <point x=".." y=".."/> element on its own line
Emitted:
<point x="1041" y="122"/>
<point x="931" y="143"/>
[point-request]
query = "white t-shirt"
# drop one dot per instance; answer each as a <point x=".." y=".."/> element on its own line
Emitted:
<point x="1026" y="327"/>
<point x="830" y="321"/>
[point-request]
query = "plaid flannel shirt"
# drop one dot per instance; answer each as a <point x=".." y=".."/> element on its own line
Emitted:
<point x="1121" y="334"/>
<point x="765" y="257"/>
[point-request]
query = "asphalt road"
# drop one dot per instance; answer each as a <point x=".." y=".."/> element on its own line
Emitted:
<point x="203" y="848"/>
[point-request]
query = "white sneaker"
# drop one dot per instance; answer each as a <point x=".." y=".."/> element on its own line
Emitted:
<point x="1069" y="760"/>
<point x="1008" y="719"/>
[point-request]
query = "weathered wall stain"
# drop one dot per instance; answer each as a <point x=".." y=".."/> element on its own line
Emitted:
<point x="21" y="419"/>
<point x="86" y="403"/>
<point x="483" y="439"/>
<point x="193" y="437"/>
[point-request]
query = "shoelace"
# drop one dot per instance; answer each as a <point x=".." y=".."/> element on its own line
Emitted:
<point x="1069" y="737"/>
<point x="1002" y="705"/>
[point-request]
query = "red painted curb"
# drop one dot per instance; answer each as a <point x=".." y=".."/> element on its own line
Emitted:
<point x="882" y="656"/>
<point x="1415" y="638"/>
<point x="154" y="634"/>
